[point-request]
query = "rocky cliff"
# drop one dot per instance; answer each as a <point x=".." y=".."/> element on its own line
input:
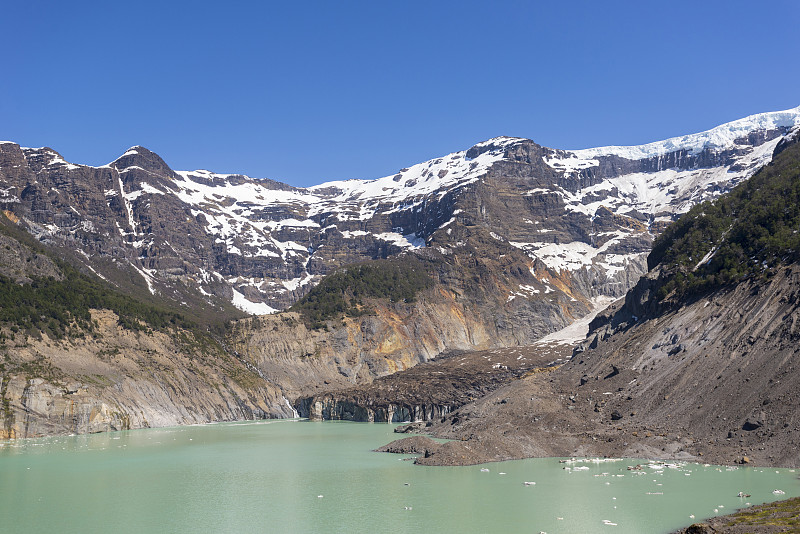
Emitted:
<point x="68" y="365"/>
<point x="517" y="238"/>
<point x="353" y="350"/>
<point x="667" y="372"/>
<point x="117" y="379"/>
<point x="225" y="240"/>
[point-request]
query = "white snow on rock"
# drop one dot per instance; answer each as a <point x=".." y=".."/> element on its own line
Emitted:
<point x="248" y="306"/>
<point x="577" y="331"/>
<point x="663" y="194"/>
<point x="723" y="136"/>
<point x="409" y="186"/>
<point x="260" y="218"/>
<point x="232" y="208"/>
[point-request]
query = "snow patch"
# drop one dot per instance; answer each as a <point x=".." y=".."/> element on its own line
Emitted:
<point x="706" y="258"/>
<point x="248" y="306"/>
<point x="148" y="277"/>
<point x="577" y="331"/>
<point x="296" y="283"/>
<point x="409" y="241"/>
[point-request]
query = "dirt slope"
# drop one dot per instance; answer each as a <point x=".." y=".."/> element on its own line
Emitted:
<point x="715" y="380"/>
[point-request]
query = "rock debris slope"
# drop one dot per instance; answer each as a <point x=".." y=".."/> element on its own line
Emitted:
<point x="700" y="359"/>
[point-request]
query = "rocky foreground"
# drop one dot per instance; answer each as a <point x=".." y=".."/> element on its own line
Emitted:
<point x="714" y="381"/>
<point x="699" y="361"/>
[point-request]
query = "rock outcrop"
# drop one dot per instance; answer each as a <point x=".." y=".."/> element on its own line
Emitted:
<point x="517" y="237"/>
<point x="668" y="372"/>
<point x="116" y="379"/>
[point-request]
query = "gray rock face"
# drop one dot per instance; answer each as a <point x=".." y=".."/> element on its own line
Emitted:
<point x="213" y="239"/>
<point x="520" y="238"/>
<point x="118" y="379"/>
<point x="21" y="264"/>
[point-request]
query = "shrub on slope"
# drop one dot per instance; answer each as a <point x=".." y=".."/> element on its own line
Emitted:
<point x="748" y="232"/>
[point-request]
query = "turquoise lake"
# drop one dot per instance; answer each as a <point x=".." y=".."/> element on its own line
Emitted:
<point x="301" y="476"/>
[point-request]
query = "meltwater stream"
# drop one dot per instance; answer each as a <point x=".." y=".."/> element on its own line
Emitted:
<point x="300" y="476"/>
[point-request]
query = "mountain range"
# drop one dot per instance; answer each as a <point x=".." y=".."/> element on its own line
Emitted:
<point x="508" y="241"/>
<point x="698" y="362"/>
<point x="260" y="245"/>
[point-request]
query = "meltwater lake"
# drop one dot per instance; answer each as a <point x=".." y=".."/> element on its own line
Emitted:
<point x="301" y="476"/>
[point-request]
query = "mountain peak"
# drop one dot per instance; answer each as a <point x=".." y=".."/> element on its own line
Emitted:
<point x="139" y="156"/>
<point x="495" y="143"/>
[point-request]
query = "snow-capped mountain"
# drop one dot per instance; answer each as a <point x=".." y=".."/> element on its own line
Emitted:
<point x="584" y="218"/>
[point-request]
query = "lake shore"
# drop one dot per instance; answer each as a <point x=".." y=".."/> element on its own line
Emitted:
<point x="768" y="518"/>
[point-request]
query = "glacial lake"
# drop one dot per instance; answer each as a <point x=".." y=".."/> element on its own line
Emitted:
<point x="301" y="476"/>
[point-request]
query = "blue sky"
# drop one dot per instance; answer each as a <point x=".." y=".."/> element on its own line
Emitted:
<point x="306" y="92"/>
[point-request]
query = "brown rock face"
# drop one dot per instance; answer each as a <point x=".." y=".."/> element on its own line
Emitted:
<point x="118" y="379"/>
<point x="518" y="238"/>
<point x="397" y="337"/>
<point x="736" y="366"/>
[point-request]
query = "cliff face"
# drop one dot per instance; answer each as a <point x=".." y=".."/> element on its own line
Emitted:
<point x="397" y="337"/>
<point x="698" y="360"/>
<point x="518" y="239"/>
<point x="117" y="379"/>
<point x="222" y="240"/>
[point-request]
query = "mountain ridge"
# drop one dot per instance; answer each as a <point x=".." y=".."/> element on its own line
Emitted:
<point x="706" y="376"/>
<point x="260" y="245"/>
<point x="518" y="240"/>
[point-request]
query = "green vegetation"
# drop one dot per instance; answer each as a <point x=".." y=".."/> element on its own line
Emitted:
<point x="783" y="514"/>
<point x="61" y="307"/>
<point x="748" y="232"/>
<point x="343" y="292"/>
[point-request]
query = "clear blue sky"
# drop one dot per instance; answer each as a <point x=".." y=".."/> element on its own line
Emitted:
<point x="306" y="92"/>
